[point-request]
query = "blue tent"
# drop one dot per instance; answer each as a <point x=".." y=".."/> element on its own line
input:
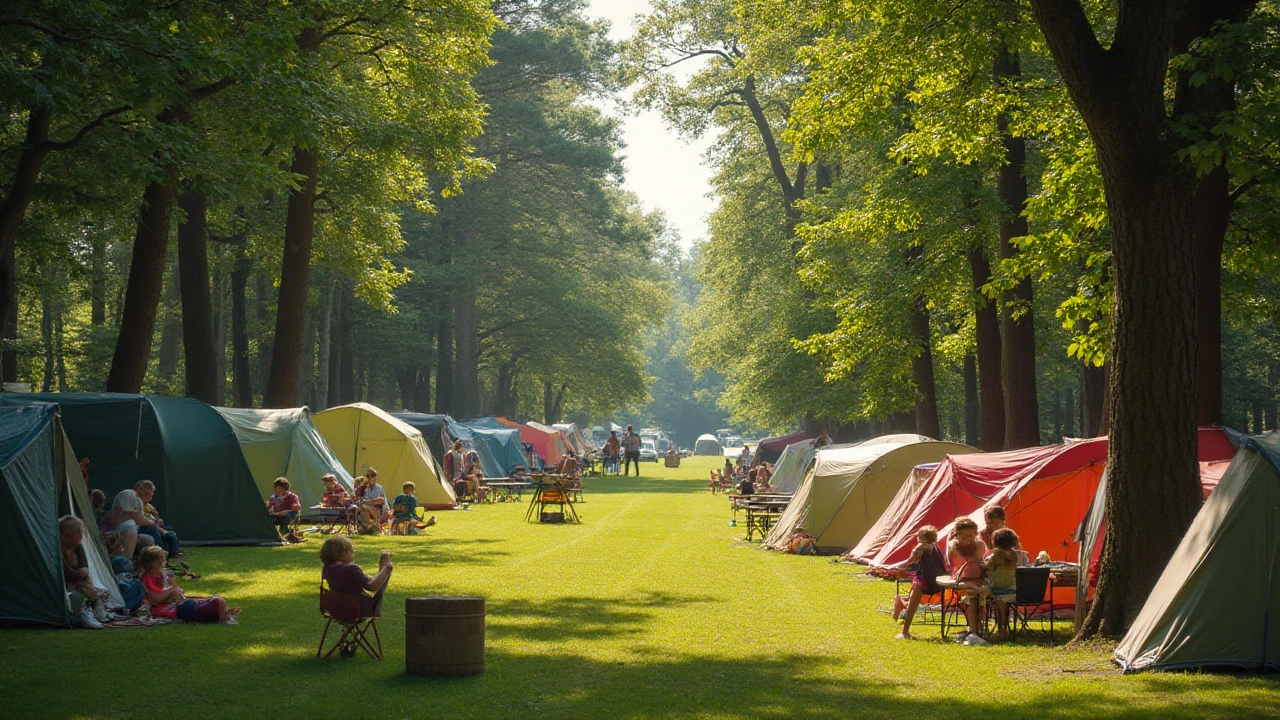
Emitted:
<point x="499" y="447"/>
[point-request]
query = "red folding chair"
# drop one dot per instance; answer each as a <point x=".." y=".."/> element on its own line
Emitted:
<point x="357" y="615"/>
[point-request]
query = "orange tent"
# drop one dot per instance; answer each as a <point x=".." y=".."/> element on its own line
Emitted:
<point x="549" y="445"/>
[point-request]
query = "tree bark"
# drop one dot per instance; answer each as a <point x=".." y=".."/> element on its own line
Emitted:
<point x="972" y="411"/>
<point x="990" y="382"/>
<point x="444" y="368"/>
<point x="467" y="374"/>
<point x="21" y="190"/>
<point x="1017" y="336"/>
<point x="922" y="373"/>
<point x="197" y="299"/>
<point x="241" y="387"/>
<point x="295" y="276"/>
<point x="422" y="388"/>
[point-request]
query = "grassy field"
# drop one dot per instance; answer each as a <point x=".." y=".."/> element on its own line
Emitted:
<point x="652" y="608"/>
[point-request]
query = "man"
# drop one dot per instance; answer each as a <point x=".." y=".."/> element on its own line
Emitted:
<point x="744" y="457"/>
<point x="631" y="451"/>
<point x="164" y="537"/>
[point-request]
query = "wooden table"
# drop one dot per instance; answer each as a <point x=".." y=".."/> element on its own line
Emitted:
<point x="505" y="489"/>
<point x="762" y="514"/>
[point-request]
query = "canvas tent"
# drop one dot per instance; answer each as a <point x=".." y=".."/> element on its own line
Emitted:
<point x="849" y="487"/>
<point x="363" y="436"/>
<point x="770" y="449"/>
<point x="499" y="450"/>
<point x="577" y="441"/>
<point x="791" y="467"/>
<point x="1216" y="602"/>
<point x="285" y="443"/>
<point x="204" y="489"/>
<point x="706" y="445"/>
<point x="964" y="483"/>
<point x="547" y="442"/>
<point x="41" y="482"/>
<point x="435" y="429"/>
<point x="882" y="529"/>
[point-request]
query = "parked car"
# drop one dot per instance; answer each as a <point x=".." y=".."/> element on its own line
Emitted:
<point x="648" y="451"/>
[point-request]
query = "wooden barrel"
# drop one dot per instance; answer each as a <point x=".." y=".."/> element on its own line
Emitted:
<point x="444" y="636"/>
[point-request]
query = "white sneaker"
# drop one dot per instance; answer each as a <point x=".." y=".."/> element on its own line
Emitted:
<point x="88" y="621"/>
<point x="101" y="613"/>
<point x="975" y="640"/>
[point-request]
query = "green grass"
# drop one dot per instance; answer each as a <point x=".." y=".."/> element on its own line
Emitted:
<point x="653" y="607"/>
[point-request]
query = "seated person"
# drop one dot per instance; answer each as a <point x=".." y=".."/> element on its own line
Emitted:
<point x="404" y="513"/>
<point x="964" y="555"/>
<point x="335" y="496"/>
<point x="371" y="502"/>
<point x="98" y="501"/>
<point x="481" y="488"/>
<point x="125" y="517"/>
<point x="169" y="601"/>
<point x="162" y="536"/>
<point x="746" y="487"/>
<point x="1002" y="566"/>
<point x="284" y="506"/>
<point x="344" y="576"/>
<point x="75" y="573"/>
<point x="728" y="471"/>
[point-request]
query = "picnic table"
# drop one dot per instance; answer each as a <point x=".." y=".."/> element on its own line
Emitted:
<point x="504" y="490"/>
<point x="953" y="594"/>
<point x="762" y="513"/>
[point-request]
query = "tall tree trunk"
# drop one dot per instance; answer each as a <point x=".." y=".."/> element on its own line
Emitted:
<point x="145" y="285"/>
<point x="1017" y="336"/>
<point x="922" y="373"/>
<point x="307" y="363"/>
<point x="972" y="411"/>
<point x="467" y="375"/>
<point x="1212" y="216"/>
<point x="170" y="350"/>
<point x="241" y="385"/>
<point x="21" y="190"/>
<point x="1273" y="385"/>
<point x="221" y="320"/>
<point x="326" y="338"/>
<point x="548" y="400"/>
<point x="295" y="276"/>
<point x="504" y="396"/>
<point x="197" y="299"/>
<point x="990" y="382"/>
<point x="60" y="356"/>
<point x="422" y="388"/>
<point x="444" y="368"/>
<point x="1095" y="387"/>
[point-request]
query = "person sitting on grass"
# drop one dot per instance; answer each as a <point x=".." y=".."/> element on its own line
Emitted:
<point x="344" y="576"/>
<point x="964" y="555"/>
<point x="482" y="488"/>
<point x="926" y="559"/>
<point x="404" y="513"/>
<point x="284" y="506"/>
<point x="163" y="536"/>
<point x="75" y="573"/>
<point x="1002" y="567"/>
<point x="170" y="602"/>
<point x="125" y="517"/>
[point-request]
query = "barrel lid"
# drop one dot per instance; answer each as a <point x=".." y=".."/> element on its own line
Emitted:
<point x="446" y="605"/>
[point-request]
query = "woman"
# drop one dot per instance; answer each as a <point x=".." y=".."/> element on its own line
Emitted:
<point x="612" y="452"/>
<point x="125" y="517"/>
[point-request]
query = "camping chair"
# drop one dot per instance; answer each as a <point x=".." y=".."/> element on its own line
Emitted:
<point x="357" y="615"/>
<point x="1032" y="598"/>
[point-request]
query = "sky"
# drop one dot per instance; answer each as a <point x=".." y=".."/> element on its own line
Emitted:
<point x="663" y="169"/>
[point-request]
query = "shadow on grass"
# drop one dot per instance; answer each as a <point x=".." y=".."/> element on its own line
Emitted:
<point x="581" y="617"/>
<point x="612" y="485"/>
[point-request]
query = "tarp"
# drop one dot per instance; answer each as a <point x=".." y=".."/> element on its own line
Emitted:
<point x="285" y="443"/>
<point x="769" y="449"/>
<point x="363" y="436"/>
<point x="40" y="481"/>
<point x="1218" y="599"/>
<point x="964" y="483"/>
<point x="559" y="441"/>
<point x="706" y="445"/>
<point x="499" y="450"/>
<point x="579" y="442"/>
<point x="848" y="488"/>
<point x="204" y="489"/>
<point x="791" y="467"/>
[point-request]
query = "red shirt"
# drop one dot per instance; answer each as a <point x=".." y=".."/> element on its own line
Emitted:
<point x="289" y="501"/>
<point x="337" y="497"/>
<point x="154" y="584"/>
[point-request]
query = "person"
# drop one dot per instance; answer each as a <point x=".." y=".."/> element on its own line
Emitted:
<point x="612" y="453"/>
<point x="75" y="574"/>
<point x="762" y="478"/>
<point x="404" y="512"/>
<point x="481" y="491"/>
<point x="344" y="576"/>
<point x="164" y="537"/>
<point x="335" y="496"/>
<point x="125" y="517"/>
<point x="631" y="451"/>
<point x="455" y="464"/>
<point x="371" y="501"/>
<point x="98" y="501"/>
<point x="284" y="506"/>
<point x="928" y="563"/>
<point x="745" y="486"/>
<point x="728" y="470"/>
<point x="823" y="440"/>
<point x="744" y="457"/>
<point x="964" y="555"/>
<point x="993" y="518"/>
<point x="169" y="601"/>
<point x="1002" y="567"/>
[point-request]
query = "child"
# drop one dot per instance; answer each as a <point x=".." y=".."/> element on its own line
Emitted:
<point x="334" y="495"/>
<point x="168" y="600"/>
<point x="1002" y="567"/>
<point x="98" y="500"/>
<point x="404" y="513"/>
<point x="284" y="507"/>
<point x="344" y="576"/>
<point x="75" y="573"/>
<point x="964" y="555"/>
<point x="928" y="562"/>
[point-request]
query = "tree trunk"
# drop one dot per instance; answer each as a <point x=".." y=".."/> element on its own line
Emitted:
<point x="326" y="337"/>
<point x="467" y="385"/>
<point x="241" y="387"/>
<point x="922" y="373"/>
<point x="990" y="383"/>
<point x="145" y="286"/>
<point x="422" y="388"/>
<point x="504" y="396"/>
<point x="972" y="411"/>
<point x="21" y="190"/>
<point x="444" y="368"/>
<point x="9" y="357"/>
<point x="1017" y="331"/>
<point x="307" y="362"/>
<point x="295" y="275"/>
<point x="170" y="350"/>
<point x="59" y="349"/>
<point x="1273" y="384"/>
<point x="197" y="299"/>
<point x="221" y="320"/>
<point x="548" y="400"/>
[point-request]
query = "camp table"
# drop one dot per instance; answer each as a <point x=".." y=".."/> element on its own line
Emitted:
<point x="506" y="489"/>
<point x="761" y="514"/>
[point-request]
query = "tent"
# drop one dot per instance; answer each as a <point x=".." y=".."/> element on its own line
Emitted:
<point x="963" y="484"/>
<point x="435" y="431"/>
<point x="499" y="450"/>
<point x="285" y="443"/>
<point x="547" y="442"/>
<point x="770" y="449"/>
<point x="204" y="489"/>
<point x="42" y="482"/>
<point x="882" y="529"/>
<point x="559" y="442"/>
<point x="577" y="440"/>
<point x="791" y="466"/>
<point x="363" y="436"/>
<point x="706" y="445"/>
<point x="1215" y="600"/>
<point x="849" y="487"/>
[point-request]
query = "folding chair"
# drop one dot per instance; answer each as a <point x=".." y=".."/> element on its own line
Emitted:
<point x="357" y="615"/>
<point x="1032" y="597"/>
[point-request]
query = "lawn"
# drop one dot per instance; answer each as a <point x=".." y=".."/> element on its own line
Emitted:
<point x="653" y="607"/>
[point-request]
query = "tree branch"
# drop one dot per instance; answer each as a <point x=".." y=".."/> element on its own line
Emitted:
<point x="1243" y="188"/>
<point x="1071" y="40"/>
<point x="80" y="135"/>
<point x="211" y="89"/>
<point x="699" y="53"/>
<point x="41" y="27"/>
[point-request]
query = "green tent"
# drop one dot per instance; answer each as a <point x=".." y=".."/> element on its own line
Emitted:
<point x="41" y="482"/>
<point x="1215" y="603"/>
<point x="204" y="489"/>
<point x="284" y="443"/>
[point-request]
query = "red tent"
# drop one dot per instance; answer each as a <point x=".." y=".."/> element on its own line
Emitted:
<point x="770" y="449"/>
<point x="548" y="444"/>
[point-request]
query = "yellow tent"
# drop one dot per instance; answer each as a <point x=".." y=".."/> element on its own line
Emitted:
<point x="362" y="436"/>
<point x="848" y="487"/>
<point x="284" y="443"/>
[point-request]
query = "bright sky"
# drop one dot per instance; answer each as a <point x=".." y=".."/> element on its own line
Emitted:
<point x="663" y="169"/>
